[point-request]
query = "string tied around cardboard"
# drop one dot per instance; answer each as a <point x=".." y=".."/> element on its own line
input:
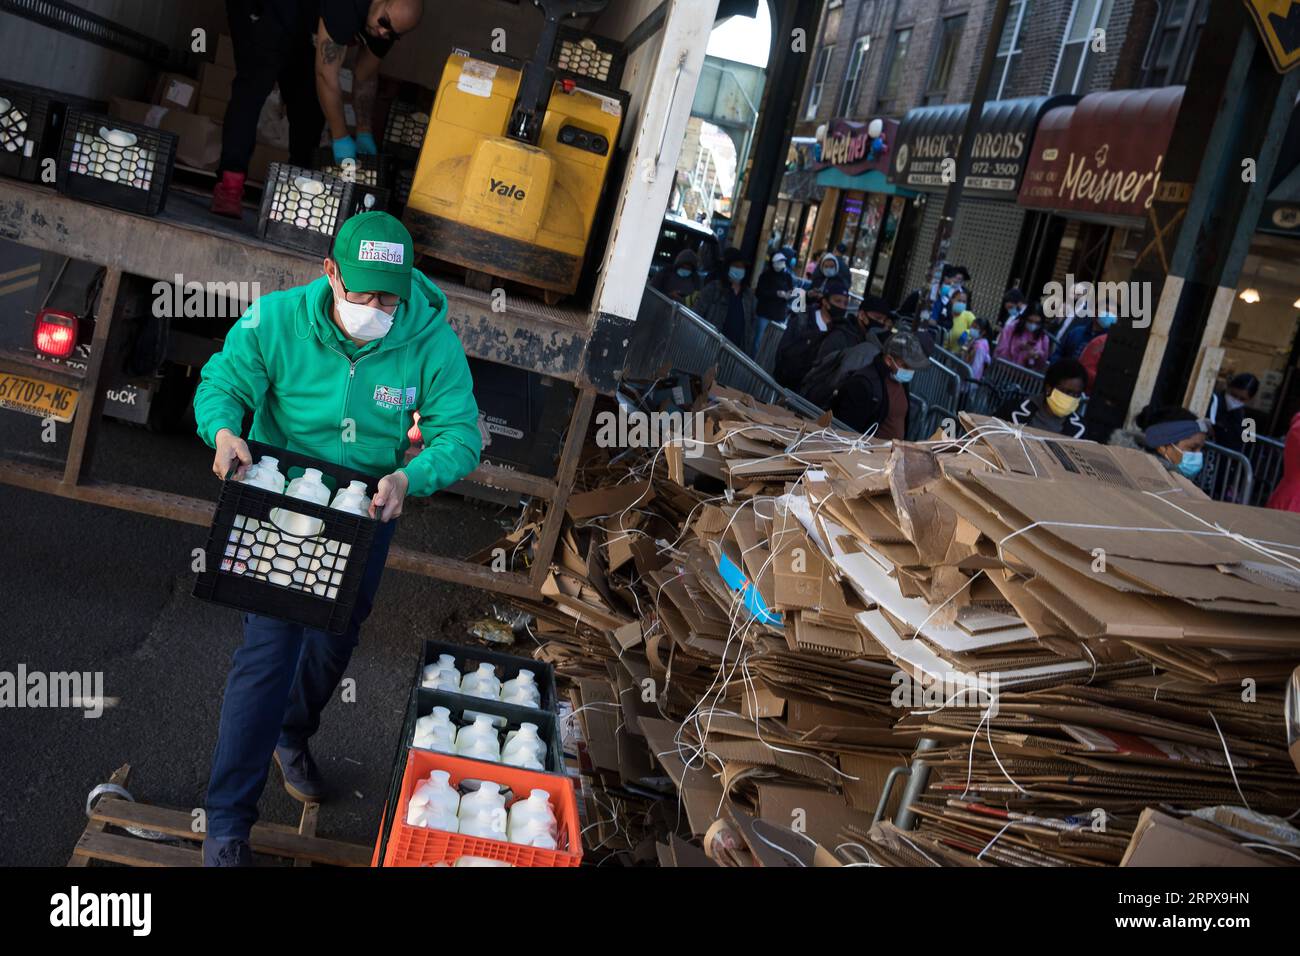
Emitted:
<point x="1267" y="549"/>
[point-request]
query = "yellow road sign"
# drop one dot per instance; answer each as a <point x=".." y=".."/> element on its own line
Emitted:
<point x="1279" y="25"/>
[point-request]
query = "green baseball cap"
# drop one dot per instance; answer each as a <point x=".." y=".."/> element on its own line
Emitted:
<point x="375" y="254"/>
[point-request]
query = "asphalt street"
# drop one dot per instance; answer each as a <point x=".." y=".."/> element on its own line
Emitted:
<point x="89" y="588"/>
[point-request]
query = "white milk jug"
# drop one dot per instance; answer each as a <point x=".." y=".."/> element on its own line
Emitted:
<point x="532" y="821"/>
<point x="488" y="796"/>
<point x="482" y="683"/>
<point x="299" y="528"/>
<point x="524" y="748"/>
<point x="434" y="803"/>
<point x="441" y="674"/>
<point x="490" y="824"/>
<point x="435" y="731"/>
<point x="522" y="690"/>
<point x="479" y="740"/>
<point x="328" y="570"/>
<point x="240" y="546"/>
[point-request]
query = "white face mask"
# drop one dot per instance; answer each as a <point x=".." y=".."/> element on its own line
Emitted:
<point x="1233" y="402"/>
<point x="364" y="323"/>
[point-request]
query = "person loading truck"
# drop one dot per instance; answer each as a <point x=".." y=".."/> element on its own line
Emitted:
<point x="371" y="329"/>
<point x="274" y="41"/>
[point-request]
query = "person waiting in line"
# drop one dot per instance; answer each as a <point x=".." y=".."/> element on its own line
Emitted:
<point x="875" y="397"/>
<point x="1080" y="333"/>
<point x="729" y="304"/>
<point x="1090" y="357"/>
<point x="680" y="282"/>
<point x="1171" y="433"/>
<point x="1286" y="496"/>
<point x="952" y="279"/>
<point x="849" y="328"/>
<point x="842" y="254"/>
<point x="828" y="271"/>
<point x="804" y="332"/>
<point x="1228" y="410"/>
<point x="774" y="291"/>
<point x="1056" y="408"/>
<point x="962" y="317"/>
<point x="1024" y="340"/>
<point x="1014" y="305"/>
<point x="975" y="348"/>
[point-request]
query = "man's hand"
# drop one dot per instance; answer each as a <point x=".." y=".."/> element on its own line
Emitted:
<point x="231" y="451"/>
<point x="345" y="147"/>
<point x="387" y="502"/>
<point x="366" y="144"/>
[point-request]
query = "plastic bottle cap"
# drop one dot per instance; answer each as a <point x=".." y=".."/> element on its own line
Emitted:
<point x="441" y="713"/>
<point x="312" y="474"/>
<point x="540" y="794"/>
<point x="528" y="726"/>
<point x="446" y="660"/>
<point x="527" y="676"/>
<point x="441" y="776"/>
<point x="269" y="462"/>
<point x="486" y="669"/>
<point x="358" y="486"/>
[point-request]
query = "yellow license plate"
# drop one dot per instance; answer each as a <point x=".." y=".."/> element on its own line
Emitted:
<point x="38" y="398"/>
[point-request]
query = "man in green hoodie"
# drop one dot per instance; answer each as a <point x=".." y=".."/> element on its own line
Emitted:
<point x="336" y="370"/>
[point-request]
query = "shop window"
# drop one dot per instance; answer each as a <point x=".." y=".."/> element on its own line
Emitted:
<point x="1076" y="57"/>
<point x="945" y="59"/>
<point x="853" y="76"/>
<point x="1173" y="42"/>
<point x="819" y="80"/>
<point x="1009" y="48"/>
<point x="897" y="57"/>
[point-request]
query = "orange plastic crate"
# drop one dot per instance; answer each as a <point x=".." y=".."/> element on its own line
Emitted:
<point x="421" y="846"/>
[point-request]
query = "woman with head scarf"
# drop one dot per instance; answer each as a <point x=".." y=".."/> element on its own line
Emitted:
<point x="1175" y="436"/>
<point x="680" y="282"/>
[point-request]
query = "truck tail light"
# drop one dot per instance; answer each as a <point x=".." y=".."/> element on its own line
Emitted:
<point x="56" y="332"/>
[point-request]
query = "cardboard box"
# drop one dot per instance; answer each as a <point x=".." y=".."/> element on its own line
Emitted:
<point x="213" y="108"/>
<point x="198" y="137"/>
<point x="1162" y="840"/>
<point x="177" y="92"/>
<point x="226" y="51"/>
<point x="215" y="80"/>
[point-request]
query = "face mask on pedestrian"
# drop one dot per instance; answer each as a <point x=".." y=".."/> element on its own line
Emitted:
<point x="364" y="323"/>
<point x="685" y="273"/>
<point x="958" y="308"/>
<point x="1033" y="326"/>
<point x="735" y="273"/>
<point x="903" y="375"/>
<point x="1061" y="404"/>
<point x="1190" y="464"/>
<point x="830" y="269"/>
<point x="1233" y="402"/>
<point x="778" y="266"/>
<point x="945" y="291"/>
<point x="1106" y="321"/>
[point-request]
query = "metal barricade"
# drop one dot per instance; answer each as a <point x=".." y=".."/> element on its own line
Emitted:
<point x="938" y="385"/>
<point x="918" y="417"/>
<point x="953" y="362"/>
<point x="1266" y="458"/>
<point x="1225" y="474"/>
<point x="1012" y="379"/>
<point x="982" y="398"/>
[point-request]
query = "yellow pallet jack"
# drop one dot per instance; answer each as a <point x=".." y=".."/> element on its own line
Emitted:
<point x="516" y="156"/>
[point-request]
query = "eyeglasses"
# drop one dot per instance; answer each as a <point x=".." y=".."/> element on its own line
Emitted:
<point x="387" y="300"/>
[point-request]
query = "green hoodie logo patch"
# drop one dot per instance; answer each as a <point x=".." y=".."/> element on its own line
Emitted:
<point x="394" y="396"/>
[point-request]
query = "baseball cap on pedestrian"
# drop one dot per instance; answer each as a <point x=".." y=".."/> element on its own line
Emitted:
<point x="778" y="258"/>
<point x="375" y="254"/>
<point x="904" y="347"/>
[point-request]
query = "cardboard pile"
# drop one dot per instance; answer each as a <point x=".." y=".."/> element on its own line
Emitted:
<point x="762" y="622"/>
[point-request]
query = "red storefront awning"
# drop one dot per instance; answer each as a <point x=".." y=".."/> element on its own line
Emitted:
<point x="1102" y="156"/>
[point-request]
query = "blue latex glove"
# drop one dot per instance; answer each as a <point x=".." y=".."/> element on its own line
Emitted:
<point x="344" y="148"/>
<point x="366" y="145"/>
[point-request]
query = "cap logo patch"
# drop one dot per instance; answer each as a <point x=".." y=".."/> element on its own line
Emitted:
<point x="372" y="250"/>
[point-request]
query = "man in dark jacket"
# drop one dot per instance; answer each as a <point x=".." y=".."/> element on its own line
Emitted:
<point x="851" y="328"/>
<point x="876" y="396"/>
<point x="729" y="304"/>
<point x="1228" y="410"/>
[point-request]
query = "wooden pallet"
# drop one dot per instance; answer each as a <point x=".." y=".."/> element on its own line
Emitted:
<point x="97" y="842"/>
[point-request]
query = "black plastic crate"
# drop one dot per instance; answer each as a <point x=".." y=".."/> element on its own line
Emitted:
<point x="591" y="57"/>
<point x="246" y="566"/>
<point x="26" y="128"/>
<point x="104" y="159"/>
<point x="303" y="208"/>
<point x="468" y="657"/>
<point x="364" y="170"/>
<point x="370" y="199"/>
<point x="424" y="700"/>
<point x="405" y="130"/>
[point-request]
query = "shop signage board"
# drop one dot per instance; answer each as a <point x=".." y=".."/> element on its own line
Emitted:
<point x="929" y="137"/>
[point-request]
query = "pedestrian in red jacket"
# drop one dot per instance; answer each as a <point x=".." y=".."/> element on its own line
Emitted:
<point x="1286" y="496"/>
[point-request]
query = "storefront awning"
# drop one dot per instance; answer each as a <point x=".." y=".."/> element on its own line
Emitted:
<point x="929" y="135"/>
<point x="872" y="182"/>
<point x="1102" y="157"/>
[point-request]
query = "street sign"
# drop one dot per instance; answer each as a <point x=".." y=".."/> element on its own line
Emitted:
<point x="1279" y="25"/>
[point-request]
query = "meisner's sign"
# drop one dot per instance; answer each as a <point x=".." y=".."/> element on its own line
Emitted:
<point x="1105" y="155"/>
<point x="846" y="145"/>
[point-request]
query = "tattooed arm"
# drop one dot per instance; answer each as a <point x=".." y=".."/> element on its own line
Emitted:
<point x="365" y="86"/>
<point x="329" y="59"/>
